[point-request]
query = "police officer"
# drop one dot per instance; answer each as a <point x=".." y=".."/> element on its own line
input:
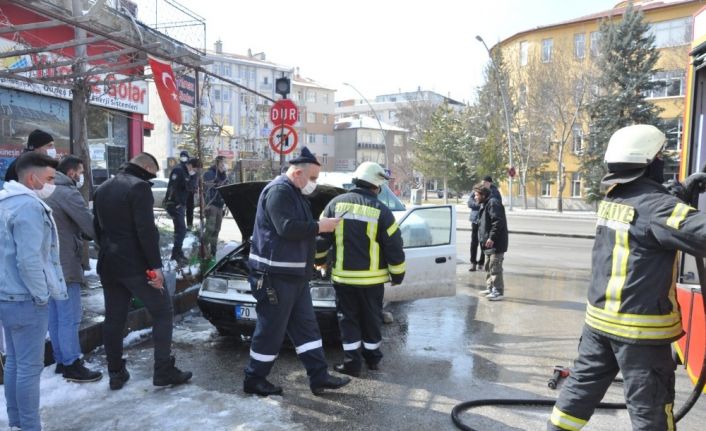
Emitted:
<point x="368" y="253"/>
<point x="175" y="201"/>
<point x="632" y="315"/>
<point x="282" y="258"/>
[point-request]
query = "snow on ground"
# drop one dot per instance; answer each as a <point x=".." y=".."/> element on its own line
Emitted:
<point x="142" y="406"/>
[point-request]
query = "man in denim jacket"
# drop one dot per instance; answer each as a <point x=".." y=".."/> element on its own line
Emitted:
<point x="30" y="274"/>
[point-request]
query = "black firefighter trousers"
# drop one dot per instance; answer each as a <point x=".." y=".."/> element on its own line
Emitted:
<point x="648" y="375"/>
<point x="360" y="322"/>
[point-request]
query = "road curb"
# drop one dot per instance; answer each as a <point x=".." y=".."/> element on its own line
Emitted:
<point x="551" y="234"/>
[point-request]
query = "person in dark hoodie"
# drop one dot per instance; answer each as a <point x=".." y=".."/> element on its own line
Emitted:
<point x="130" y="264"/>
<point x="74" y="222"/>
<point x="39" y="141"/>
<point x="493" y="235"/>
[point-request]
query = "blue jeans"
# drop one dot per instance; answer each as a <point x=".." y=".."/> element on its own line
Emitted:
<point x="25" y="327"/>
<point x="64" y="322"/>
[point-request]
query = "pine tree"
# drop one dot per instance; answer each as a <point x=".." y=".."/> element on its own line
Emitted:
<point x="626" y="62"/>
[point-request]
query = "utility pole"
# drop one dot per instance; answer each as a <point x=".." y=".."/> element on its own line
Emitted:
<point x="79" y="104"/>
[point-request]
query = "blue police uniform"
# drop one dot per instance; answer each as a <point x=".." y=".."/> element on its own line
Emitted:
<point x="282" y="256"/>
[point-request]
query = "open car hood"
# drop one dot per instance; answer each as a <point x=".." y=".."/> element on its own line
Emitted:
<point x="241" y="200"/>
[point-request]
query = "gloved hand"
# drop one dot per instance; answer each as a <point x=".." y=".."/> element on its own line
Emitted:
<point x="695" y="183"/>
<point x="675" y="188"/>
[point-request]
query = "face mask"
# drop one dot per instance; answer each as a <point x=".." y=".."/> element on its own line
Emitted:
<point x="51" y="152"/>
<point x="309" y="188"/>
<point x="192" y="173"/>
<point x="79" y="182"/>
<point x="46" y="190"/>
<point x="184" y="159"/>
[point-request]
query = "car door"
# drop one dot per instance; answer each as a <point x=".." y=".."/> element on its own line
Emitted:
<point x="429" y="236"/>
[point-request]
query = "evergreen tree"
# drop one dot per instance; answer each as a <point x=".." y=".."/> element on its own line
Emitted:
<point x="625" y="65"/>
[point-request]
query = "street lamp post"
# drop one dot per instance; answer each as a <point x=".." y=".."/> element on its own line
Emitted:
<point x="503" y="96"/>
<point x="382" y="131"/>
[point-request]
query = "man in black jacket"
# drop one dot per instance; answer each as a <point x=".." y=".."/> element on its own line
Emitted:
<point x="214" y="177"/>
<point x="492" y="234"/>
<point x="181" y="181"/>
<point x="129" y="249"/>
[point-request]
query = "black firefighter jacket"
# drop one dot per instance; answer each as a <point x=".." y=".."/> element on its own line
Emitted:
<point x="367" y="243"/>
<point x="492" y="224"/>
<point x="124" y="223"/>
<point x="632" y="296"/>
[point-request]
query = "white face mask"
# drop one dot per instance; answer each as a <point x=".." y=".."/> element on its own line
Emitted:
<point x="51" y="152"/>
<point x="309" y="188"/>
<point x="184" y="159"/>
<point x="46" y="190"/>
<point x="192" y="173"/>
<point x="79" y="183"/>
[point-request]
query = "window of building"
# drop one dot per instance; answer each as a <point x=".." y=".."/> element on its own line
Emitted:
<point x="324" y="118"/>
<point x="595" y="43"/>
<point x="674" y="32"/>
<point x="253" y="75"/>
<point x="226" y="70"/>
<point x="324" y="157"/>
<point x="672" y="128"/>
<point x="310" y="117"/>
<point x="671" y="83"/>
<point x="576" y="185"/>
<point x="580" y="45"/>
<point x="325" y="97"/>
<point x="524" y="52"/>
<point x="226" y="94"/>
<point x="311" y="96"/>
<point x="216" y="94"/>
<point x="547" y="45"/>
<point x="546" y="188"/>
<point x="266" y="80"/>
<point x="311" y="138"/>
<point x="324" y="139"/>
<point x="577" y="139"/>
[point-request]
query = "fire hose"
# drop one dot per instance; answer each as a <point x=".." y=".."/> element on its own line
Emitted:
<point x="561" y="372"/>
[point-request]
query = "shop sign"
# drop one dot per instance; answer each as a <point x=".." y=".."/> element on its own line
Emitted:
<point x="116" y="93"/>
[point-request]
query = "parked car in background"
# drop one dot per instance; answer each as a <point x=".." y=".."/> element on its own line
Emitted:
<point x="451" y="193"/>
<point x="428" y="233"/>
<point x="159" y="190"/>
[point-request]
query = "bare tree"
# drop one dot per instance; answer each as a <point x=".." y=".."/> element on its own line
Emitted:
<point x="415" y="117"/>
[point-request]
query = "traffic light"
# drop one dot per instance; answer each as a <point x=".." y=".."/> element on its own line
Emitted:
<point x="282" y="86"/>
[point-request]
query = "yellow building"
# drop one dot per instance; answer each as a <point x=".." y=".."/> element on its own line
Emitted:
<point x="566" y="51"/>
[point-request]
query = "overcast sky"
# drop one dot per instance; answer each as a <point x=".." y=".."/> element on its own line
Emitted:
<point x="379" y="46"/>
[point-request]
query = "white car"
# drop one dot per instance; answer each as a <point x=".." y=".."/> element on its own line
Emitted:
<point x="428" y="233"/>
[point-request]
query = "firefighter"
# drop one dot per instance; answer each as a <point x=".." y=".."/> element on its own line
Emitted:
<point x="632" y="315"/>
<point x="367" y="253"/>
<point x="282" y="259"/>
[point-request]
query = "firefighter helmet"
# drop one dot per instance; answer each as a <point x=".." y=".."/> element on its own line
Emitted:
<point x="372" y="173"/>
<point x="634" y="147"/>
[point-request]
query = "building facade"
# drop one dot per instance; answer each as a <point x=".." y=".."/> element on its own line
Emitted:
<point x="575" y="44"/>
<point x="316" y="119"/>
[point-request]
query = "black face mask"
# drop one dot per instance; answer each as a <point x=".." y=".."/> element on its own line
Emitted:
<point x="655" y="170"/>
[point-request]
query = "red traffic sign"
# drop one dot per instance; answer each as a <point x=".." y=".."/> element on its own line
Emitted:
<point x="285" y="112"/>
<point x="283" y="139"/>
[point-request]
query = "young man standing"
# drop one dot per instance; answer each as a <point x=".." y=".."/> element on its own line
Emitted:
<point x="492" y="234"/>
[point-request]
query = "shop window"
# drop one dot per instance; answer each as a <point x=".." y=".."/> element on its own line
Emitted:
<point x="21" y="113"/>
<point x="107" y="141"/>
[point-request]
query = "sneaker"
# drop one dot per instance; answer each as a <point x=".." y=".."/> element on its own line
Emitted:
<point x="485" y="292"/>
<point x="78" y="373"/>
<point x="495" y="296"/>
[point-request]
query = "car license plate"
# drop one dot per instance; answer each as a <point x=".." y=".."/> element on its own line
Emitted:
<point x="245" y="312"/>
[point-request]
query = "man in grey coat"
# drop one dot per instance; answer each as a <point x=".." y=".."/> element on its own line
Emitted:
<point x="74" y="222"/>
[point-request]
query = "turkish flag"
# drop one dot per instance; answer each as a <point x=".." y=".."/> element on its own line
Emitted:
<point x="167" y="89"/>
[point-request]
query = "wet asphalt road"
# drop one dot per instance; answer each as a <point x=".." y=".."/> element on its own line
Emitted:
<point x="439" y="352"/>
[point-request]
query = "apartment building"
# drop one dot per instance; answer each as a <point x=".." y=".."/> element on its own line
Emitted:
<point x="575" y="44"/>
<point x="316" y="119"/>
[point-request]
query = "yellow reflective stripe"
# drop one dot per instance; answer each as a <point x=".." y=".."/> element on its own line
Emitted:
<point x="357" y="209"/>
<point x="392" y="229"/>
<point x="360" y="281"/>
<point x="678" y="215"/>
<point x="617" y="212"/>
<point x="670" y="416"/>
<point x="627" y="319"/>
<point x="635" y="332"/>
<point x="321" y="254"/>
<point x="619" y="272"/>
<point x="566" y="422"/>
<point x="339" y="244"/>
<point x="374" y="246"/>
<point x="359" y="272"/>
<point x="397" y="269"/>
